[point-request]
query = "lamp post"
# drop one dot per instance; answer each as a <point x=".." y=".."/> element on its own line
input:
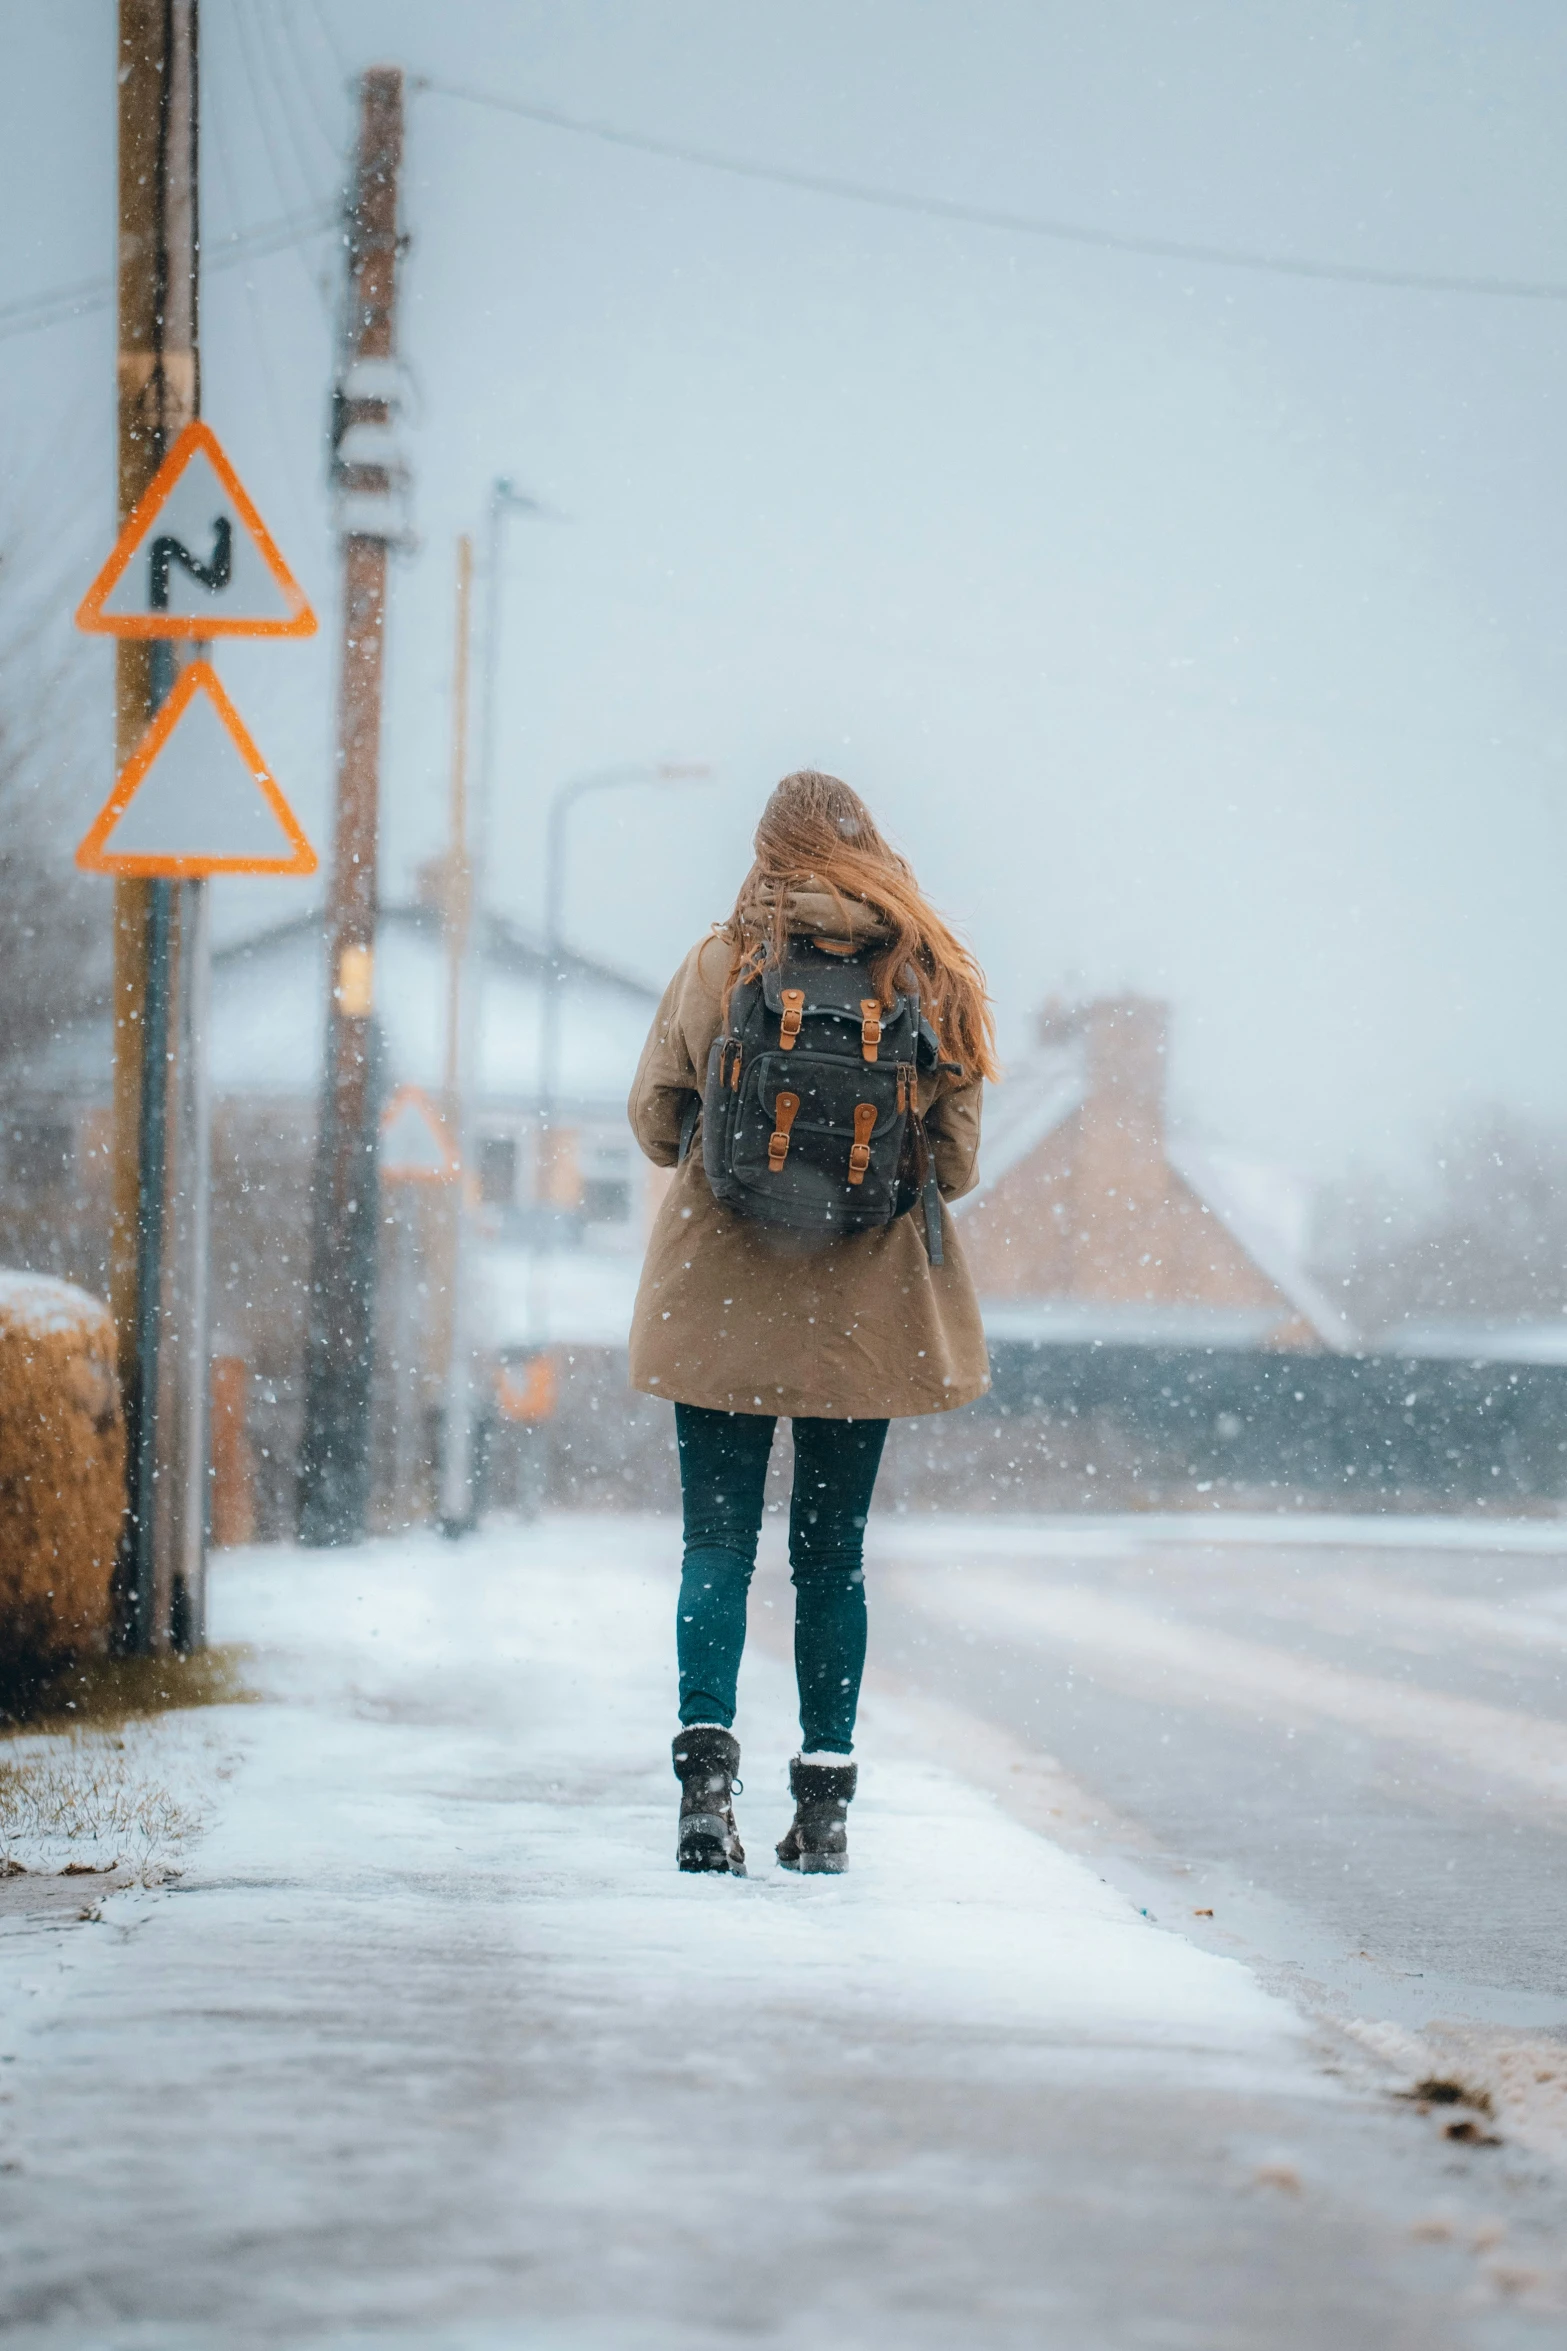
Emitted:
<point x="505" y="499"/>
<point x="465" y="889"/>
<point x="610" y="779"/>
<point x="458" y="1501"/>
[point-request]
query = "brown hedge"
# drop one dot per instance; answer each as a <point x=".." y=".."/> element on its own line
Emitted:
<point x="62" y="1479"/>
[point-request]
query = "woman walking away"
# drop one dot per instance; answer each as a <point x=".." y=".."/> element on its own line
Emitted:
<point x="813" y="1077"/>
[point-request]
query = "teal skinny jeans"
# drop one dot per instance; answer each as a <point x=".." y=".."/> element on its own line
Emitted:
<point x="723" y="1476"/>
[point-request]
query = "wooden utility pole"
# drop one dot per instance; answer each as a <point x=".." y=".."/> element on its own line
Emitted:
<point x="334" y="1473"/>
<point x="157" y="1250"/>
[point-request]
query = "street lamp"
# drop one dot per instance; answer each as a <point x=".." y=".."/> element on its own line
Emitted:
<point x="457" y="1498"/>
<point x="505" y="499"/>
<point x="664" y="773"/>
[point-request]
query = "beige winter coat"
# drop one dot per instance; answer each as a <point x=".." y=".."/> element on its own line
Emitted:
<point x="736" y="1316"/>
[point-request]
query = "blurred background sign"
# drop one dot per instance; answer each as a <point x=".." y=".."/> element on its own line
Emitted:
<point x="415" y="1145"/>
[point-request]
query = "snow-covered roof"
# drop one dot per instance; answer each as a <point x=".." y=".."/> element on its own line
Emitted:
<point x="1268" y="1210"/>
<point x="268" y="992"/>
<point x="1116" y="1322"/>
<point x="1474" y="1338"/>
<point x="1039" y="1094"/>
<point x="266" y="1022"/>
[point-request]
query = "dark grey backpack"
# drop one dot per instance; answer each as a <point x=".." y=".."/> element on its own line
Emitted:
<point x="810" y="1117"/>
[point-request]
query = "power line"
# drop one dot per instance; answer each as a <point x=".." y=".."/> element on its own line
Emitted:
<point x="258" y="108"/>
<point x="45" y="310"/>
<point x="1015" y="223"/>
<point x="295" y="40"/>
<point x="264" y="91"/>
<point x="269" y="31"/>
<point x="222" y="146"/>
<point x="33" y="311"/>
<point x="324" y="27"/>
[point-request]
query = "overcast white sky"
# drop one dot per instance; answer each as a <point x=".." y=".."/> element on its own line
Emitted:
<point x="1196" y="631"/>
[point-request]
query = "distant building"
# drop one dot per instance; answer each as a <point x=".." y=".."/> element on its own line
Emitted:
<point x="1092" y="1223"/>
<point x="267" y="1027"/>
<point x="564" y="1204"/>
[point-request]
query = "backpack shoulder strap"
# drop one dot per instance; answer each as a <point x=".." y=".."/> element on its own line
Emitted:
<point x="933" y="1219"/>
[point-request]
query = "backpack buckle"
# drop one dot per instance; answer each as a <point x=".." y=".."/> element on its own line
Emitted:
<point x="793" y="1014"/>
<point x="907" y="1077"/>
<point x="860" y="1149"/>
<point x="784" y="1108"/>
<point x="870" y="1026"/>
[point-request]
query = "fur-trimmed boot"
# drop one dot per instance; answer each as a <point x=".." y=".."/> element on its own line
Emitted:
<point x="706" y="1759"/>
<point x="817" y="1838"/>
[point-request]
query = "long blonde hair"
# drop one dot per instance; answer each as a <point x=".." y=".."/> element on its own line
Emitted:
<point x="815" y="834"/>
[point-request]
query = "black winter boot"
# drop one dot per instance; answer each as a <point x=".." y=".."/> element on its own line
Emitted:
<point x="818" y="1838"/>
<point x="706" y="1759"/>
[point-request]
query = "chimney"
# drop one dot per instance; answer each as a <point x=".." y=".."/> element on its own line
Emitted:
<point x="1125" y="1039"/>
<point x="1120" y="1179"/>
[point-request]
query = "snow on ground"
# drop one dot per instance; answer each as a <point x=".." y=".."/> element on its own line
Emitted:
<point x="432" y="2044"/>
<point x="949" y="1909"/>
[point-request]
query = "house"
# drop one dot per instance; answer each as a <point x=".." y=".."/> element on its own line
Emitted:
<point x="582" y="1185"/>
<point x="1092" y="1223"/>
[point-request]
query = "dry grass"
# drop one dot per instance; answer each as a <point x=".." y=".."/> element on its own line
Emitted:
<point x="88" y="1801"/>
<point x="104" y="1692"/>
<point x="93" y="1782"/>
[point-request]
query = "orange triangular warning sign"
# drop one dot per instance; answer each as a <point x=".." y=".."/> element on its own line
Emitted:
<point x="195" y="559"/>
<point x="196" y="797"/>
<point x="415" y="1146"/>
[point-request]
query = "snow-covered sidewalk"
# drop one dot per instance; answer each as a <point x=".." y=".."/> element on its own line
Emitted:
<point x="432" y="2044"/>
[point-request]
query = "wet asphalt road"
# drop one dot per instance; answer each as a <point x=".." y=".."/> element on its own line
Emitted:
<point x="1354" y="1755"/>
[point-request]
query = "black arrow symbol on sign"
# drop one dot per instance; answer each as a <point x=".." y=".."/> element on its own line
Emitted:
<point x="166" y="553"/>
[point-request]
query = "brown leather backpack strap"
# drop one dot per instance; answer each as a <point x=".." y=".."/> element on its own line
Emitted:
<point x="793" y="1014"/>
<point x="860" y="1149"/>
<point x="870" y="1026"/>
<point x="785" y="1107"/>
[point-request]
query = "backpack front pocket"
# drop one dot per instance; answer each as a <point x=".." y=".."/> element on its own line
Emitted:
<point x="843" y="1127"/>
